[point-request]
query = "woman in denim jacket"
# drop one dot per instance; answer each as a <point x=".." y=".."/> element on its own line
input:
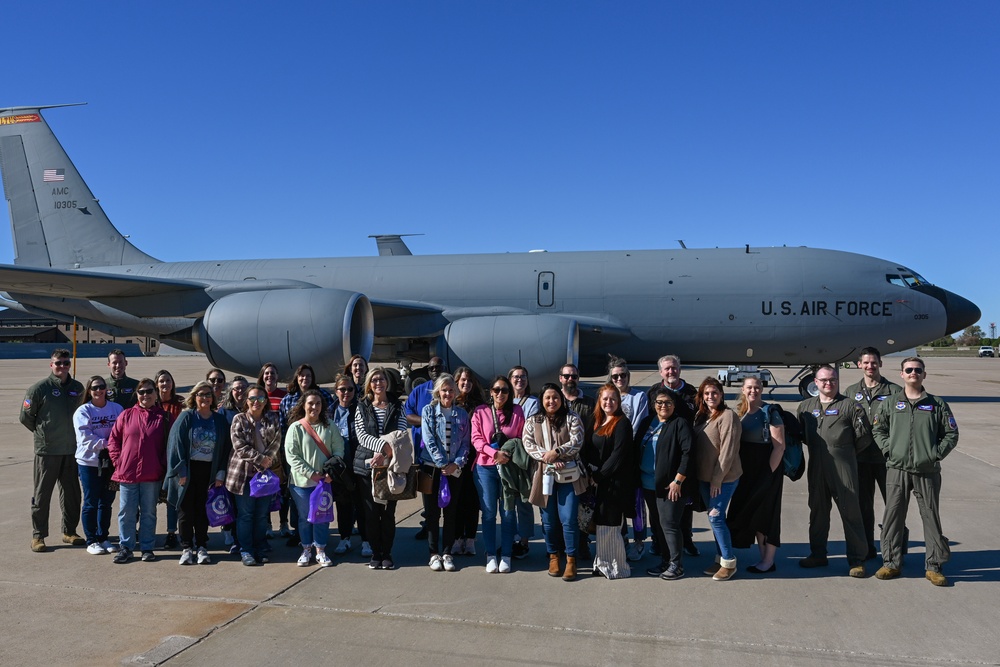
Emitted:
<point x="446" y="435"/>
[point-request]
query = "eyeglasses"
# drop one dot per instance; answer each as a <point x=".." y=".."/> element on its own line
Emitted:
<point x="145" y="392"/>
<point x="500" y="390"/>
<point x="257" y="399"/>
<point x="518" y="378"/>
<point x="63" y="363"/>
<point x="619" y="376"/>
<point x="913" y="371"/>
<point x="826" y="380"/>
<point x="569" y="376"/>
<point x="98" y="387"/>
<point x="345" y="388"/>
<point x="217" y="380"/>
<point x="204" y="394"/>
<point x="378" y="379"/>
<point x="661" y="404"/>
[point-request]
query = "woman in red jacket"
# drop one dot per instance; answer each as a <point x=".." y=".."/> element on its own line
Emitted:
<point x="138" y="448"/>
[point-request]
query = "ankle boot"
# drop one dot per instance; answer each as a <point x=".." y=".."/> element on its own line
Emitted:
<point x="570" y="573"/>
<point x="554" y="569"/>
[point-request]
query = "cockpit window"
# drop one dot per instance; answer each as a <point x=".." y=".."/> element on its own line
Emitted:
<point x="905" y="279"/>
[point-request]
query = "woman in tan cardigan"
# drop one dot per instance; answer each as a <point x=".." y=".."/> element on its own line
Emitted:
<point x="717" y="432"/>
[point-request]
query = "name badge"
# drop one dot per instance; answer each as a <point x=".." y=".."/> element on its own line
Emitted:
<point x="926" y="408"/>
<point x="880" y="398"/>
<point x="832" y="412"/>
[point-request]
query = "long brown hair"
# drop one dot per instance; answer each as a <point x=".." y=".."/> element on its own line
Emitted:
<point x="600" y="428"/>
<point x="703" y="415"/>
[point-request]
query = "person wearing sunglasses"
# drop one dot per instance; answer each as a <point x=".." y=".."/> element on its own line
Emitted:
<point x="198" y="453"/>
<point x="470" y="397"/>
<point x="576" y="400"/>
<point x="349" y="507"/>
<point x="635" y="407"/>
<point x="137" y="446"/>
<point x="518" y="376"/>
<point x="47" y="411"/>
<point x="835" y="428"/>
<point x="915" y="430"/>
<point x="93" y="421"/>
<point x="256" y="438"/>
<point x="492" y="426"/>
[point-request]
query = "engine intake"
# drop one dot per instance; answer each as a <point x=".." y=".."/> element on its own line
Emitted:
<point x="319" y="327"/>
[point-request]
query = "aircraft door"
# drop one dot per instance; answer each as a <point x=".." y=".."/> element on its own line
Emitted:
<point x="546" y="289"/>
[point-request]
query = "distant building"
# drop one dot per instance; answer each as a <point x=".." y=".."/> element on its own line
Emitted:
<point x="18" y="327"/>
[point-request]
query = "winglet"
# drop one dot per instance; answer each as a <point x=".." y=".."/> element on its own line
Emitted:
<point x="392" y="244"/>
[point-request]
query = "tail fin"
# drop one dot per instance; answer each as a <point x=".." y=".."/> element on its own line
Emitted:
<point x="55" y="219"/>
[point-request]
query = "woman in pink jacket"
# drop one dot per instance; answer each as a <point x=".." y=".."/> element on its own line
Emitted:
<point x="138" y="448"/>
<point x="492" y="425"/>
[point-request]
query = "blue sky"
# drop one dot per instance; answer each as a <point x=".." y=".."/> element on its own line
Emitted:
<point x="221" y="130"/>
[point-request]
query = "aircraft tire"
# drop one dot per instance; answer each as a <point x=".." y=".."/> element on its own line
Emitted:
<point x="807" y="386"/>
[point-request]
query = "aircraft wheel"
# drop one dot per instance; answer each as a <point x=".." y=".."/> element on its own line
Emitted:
<point x="416" y="377"/>
<point x="807" y="386"/>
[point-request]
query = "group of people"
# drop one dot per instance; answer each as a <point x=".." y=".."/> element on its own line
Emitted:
<point x="591" y="467"/>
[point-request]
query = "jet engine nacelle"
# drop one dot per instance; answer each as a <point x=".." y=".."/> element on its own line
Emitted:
<point x="491" y="345"/>
<point x="319" y="327"/>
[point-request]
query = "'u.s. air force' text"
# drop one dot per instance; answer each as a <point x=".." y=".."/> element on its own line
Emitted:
<point x="848" y="308"/>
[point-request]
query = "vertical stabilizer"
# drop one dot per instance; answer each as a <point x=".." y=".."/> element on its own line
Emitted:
<point x="55" y="219"/>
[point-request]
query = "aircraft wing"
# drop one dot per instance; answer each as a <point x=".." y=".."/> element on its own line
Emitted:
<point x="85" y="284"/>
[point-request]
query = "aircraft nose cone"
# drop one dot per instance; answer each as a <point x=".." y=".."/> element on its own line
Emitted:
<point x="961" y="312"/>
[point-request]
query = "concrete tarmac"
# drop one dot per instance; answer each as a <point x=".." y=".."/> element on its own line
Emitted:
<point x="69" y="607"/>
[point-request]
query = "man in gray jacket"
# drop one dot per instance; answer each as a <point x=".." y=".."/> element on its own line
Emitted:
<point x="47" y="412"/>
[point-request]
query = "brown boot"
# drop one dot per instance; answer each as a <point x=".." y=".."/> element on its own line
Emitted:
<point x="554" y="569"/>
<point x="570" y="573"/>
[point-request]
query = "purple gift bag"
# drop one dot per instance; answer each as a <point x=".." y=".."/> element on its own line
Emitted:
<point x="218" y="507"/>
<point x="444" y="492"/>
<point x="264" y="483"/>
<point x="639" y="522"/>
<point x="321" y="504"/>
<point x="275" y="503"/>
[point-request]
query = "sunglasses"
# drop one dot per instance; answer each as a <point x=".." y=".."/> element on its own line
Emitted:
<point x="63" y="363"/>
<point x="98" y="387"/>
<point x="500" y="390"/>
<point x="517" y="378"/>
<point x="217" y="380"/>
<point x="257" y="399"/>
<point x="435" y="369"/>
<point x="345" y="388"/>
<point x="145" y="392"/>
<point x="569" y="376"/>
<point x="913" y="371"/>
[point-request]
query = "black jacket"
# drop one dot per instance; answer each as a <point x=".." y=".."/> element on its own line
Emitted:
<point x="674" y="454"/>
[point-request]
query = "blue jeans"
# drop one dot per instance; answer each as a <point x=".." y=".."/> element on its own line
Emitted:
<point x="491" y="501"/>
<point x="252" y="519"/>
<point x="717" y="506"/>
<point x="310" y="534"/>
<point x="560" y="516"/>
<point x="98" y="504"/>
<point x="138" y="499"/>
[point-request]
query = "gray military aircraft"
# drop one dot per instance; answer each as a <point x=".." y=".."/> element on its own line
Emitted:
<point x="781" y="306"/>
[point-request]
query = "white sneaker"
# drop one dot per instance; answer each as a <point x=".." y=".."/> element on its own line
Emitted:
<point x="203" y="557"/>
<point x="491" y="565"/>
<point x="635" y="551"/>
<point x="96" y="549"/>
<point x="305" y="558"/>
<point x="228" y="537"/>
<point x="470" y="547"/>
<point x="436" y="563"/>
<point x="343" y="547"/>
<point x="449" y="563"/>
<point x="322" y="558"/>
<point x="110" y="548"/>
<point x="366" y="550"/>
<point x="504" y="565"/>
<point x="187" y="557"/>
